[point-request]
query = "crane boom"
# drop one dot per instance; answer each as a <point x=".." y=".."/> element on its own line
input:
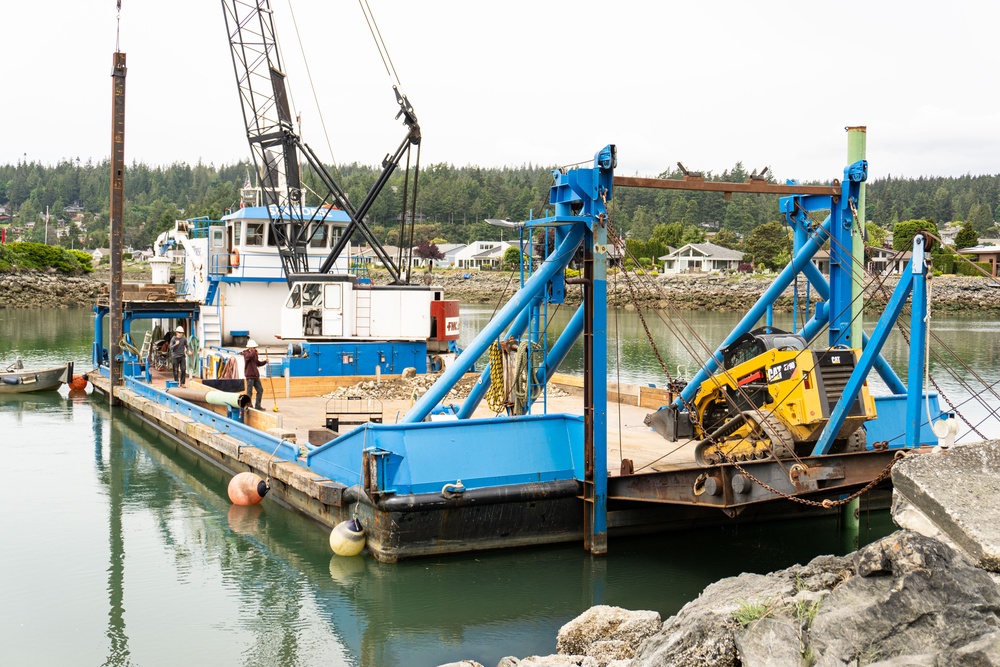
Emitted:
<point x="277" y="149"/>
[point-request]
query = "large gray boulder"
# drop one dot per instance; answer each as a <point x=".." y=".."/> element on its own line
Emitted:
<point x="550" y="661"/>
<point x="913" y="595"/>
<point x="954" y="494"/>
<point x="607" y="633"/>
<point x="904" y="600"/>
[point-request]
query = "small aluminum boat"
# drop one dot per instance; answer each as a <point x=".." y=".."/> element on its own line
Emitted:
<point x="16" y="379"/>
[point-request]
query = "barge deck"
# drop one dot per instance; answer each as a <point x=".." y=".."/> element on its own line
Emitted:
<point x="659" y="487"/>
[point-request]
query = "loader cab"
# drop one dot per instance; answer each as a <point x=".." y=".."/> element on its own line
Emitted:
<point x="757" y="342"/>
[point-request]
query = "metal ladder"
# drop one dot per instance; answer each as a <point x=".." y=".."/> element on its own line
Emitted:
<point x="147" y="343"/>
<point x="211" y="326"/>
<point x="362" y="310"/>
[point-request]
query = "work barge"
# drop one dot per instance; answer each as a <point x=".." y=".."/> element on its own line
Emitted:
<point x="427" y="477"/>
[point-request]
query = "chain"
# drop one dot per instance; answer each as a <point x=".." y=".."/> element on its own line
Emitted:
<point x="854" y="214"/>
<point x="827" y="503"/>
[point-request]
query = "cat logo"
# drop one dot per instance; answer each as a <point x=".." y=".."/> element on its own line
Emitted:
<point x="780" y="372"/>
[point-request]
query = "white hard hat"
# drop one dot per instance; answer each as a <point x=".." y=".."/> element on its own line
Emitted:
<point x="251" y="343"/>
<point x="179" y="330"/>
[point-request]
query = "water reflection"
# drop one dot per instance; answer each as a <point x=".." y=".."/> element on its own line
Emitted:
<point x="283" y="599"/>
<point x="263" y="601"/>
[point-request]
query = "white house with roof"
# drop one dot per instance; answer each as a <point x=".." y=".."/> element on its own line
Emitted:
<point x="481" y="254"/>
<point x="985" y="252"/>
<point x="449" y="250"/>
<point x="884" y="262"/>
<point x="366" y="256"/>
<point x="701" y="258"/>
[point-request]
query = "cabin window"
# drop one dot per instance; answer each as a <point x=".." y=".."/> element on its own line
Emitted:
<point x="294" y="298"/>
<point x="277" y="230"/>
<point x="331" y="297"/>
<point x="319" y="237"/>
<point x="255" y="234"/>
<point x="311" y="294"/>
<point x="744" y="352"/>
<point x="237" y="233"/>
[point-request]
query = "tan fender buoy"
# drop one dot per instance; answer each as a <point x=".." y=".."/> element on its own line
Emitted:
<point x="347" y="538"/>
<point x="247" y="488"/>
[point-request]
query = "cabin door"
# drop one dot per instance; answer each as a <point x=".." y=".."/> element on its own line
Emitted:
<point x="333" y="309"/>
<point x="218" y="254"/>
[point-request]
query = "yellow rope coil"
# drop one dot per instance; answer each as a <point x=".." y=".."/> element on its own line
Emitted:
<point x="495" y="394"/>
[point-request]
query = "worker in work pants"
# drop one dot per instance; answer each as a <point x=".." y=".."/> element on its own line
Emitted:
<point x="251" y="372"/>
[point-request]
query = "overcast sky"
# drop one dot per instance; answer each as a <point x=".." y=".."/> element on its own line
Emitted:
<point x="519" y="82"/>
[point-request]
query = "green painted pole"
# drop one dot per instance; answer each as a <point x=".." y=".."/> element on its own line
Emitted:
<point x="857" y="144"/>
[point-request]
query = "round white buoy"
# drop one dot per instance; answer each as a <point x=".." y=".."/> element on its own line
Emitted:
<point x="347" y="538"/>
<point x="247" y="488"/>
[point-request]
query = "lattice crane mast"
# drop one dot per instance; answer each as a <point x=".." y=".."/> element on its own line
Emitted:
<point x="277" y="149"/>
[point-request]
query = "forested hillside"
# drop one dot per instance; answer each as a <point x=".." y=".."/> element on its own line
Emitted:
<point x="452" y="202"/>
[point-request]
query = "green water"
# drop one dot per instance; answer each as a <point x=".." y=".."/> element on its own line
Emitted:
<point x="121" y="548"/>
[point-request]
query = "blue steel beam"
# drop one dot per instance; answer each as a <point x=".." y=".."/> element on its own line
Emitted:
<point x="784" y="279"/>
<point x="597" y="541"/>
<point x="918" y="342"/>
<point x="867" y="360"/>
<point x="520" y="301"/>
<point x="842" y="230"/>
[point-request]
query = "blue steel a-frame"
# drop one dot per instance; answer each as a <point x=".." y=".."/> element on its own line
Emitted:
<point x="835" y="311"/>
<point x="416" y="456"/>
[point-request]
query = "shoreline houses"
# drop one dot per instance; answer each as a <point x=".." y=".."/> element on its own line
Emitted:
<point x="985" y="253"/>
<point x="701" y="258"/>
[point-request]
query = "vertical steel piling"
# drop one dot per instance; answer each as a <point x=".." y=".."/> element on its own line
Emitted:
<point x="117" y="220"/>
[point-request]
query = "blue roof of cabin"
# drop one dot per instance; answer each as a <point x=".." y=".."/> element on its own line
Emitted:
<point x="293" y="213"/>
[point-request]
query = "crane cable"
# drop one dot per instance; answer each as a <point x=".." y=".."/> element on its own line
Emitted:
<point x="322" y="120"/>
<point x="383" y="50"/>
<point x="118" y="27"/>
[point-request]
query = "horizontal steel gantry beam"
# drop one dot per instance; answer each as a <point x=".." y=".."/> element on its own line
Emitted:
<point x="754" y="187"/>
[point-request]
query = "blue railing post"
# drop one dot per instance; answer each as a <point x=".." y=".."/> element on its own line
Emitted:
<point x="918" y="342"/>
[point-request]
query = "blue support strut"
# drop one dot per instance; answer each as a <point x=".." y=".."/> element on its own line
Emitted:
<point x="914" y="274"/>
<point x="784" y="279"/>
<point x="521" y="300"/>
<point x="479" y="389"/>
<point x="918" y="342"/>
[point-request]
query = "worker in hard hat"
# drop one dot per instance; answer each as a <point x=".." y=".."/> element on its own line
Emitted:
<point x="251" y="366"/>
<point x="178" y="351"/>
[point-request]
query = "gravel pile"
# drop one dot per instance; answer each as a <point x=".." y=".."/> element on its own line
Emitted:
<point x="403" y="388"/>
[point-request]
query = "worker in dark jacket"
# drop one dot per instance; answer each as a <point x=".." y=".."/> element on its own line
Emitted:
<point x="178" y="351"/>
<point x="251" y="372"/>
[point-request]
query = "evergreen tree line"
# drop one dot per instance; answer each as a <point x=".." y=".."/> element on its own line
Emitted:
<point x="453" y="203"/>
